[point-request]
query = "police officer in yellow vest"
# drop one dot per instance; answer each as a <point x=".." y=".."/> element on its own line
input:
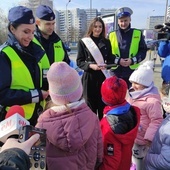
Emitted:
<point x="21" y="81"/>
<point x="47" y="38"/>
<point x="128" y="45"/>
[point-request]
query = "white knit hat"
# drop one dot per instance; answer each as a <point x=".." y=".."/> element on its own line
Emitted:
<point x="143" y="74"/>
<point x="64" y="84"/>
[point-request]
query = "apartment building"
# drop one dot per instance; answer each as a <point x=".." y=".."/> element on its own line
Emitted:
<point x="73" y="24"/>
<point x="107" y="11"/>
<point x="168" y="14"/>
<point x="154" y="20"/>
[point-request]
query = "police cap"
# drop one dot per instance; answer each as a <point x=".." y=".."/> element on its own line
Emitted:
<point x="124" y="12"/>
<point x="45" y="13"/>
<point x="21" y="15"/>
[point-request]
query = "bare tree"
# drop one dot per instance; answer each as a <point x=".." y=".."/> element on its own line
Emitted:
<point x="3" y="27"/>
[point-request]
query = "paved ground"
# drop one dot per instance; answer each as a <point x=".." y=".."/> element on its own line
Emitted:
<point x="157" y="70"/>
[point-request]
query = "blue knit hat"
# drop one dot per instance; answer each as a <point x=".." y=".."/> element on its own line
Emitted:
<point x="21" y="15"/>
<point x="45" y="13"/>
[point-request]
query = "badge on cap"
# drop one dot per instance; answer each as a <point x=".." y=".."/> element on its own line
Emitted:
<point x="31" y="21"/>
<point x="51" y="18"/>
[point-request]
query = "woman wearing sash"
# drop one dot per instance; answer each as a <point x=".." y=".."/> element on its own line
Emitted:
<point x="94" y="52"/>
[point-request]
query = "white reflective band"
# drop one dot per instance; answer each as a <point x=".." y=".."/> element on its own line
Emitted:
<point x="116" y="60"/>
<point x="45" y="73"/>
<point x="134" y="60"/>
<point x="35" y="96"/>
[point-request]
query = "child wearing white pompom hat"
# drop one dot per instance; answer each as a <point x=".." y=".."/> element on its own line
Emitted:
<point x="145" y="95"/>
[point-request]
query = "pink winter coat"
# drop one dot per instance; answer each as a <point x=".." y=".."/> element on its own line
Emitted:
<point x="151" y="115"/>
<point x="74" y="139"/>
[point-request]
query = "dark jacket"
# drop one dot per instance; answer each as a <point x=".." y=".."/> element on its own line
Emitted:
<point x="30" y="56"/>
<point x="92" y="79"/>
<point x="14" y="159"/>
<point x="48" y="45"/>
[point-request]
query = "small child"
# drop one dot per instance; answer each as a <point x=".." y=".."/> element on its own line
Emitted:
<point x="158" y="156"/>
<point x="74" y="139"/>
<point x="119" y="125"/>
<point x="145" y="95"/>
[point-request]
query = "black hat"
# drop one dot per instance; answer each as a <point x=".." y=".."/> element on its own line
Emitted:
<point x="21" y="15"/>
<point x="124" y="12"/>
<point x="45" y="13"/>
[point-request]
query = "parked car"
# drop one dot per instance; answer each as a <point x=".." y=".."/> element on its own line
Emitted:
<point x="151" y="44"/>
<point x="67" y="47"/>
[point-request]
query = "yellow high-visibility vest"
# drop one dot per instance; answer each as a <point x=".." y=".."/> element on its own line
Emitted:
<point x="136" y="36"/>
<point x="59" y="53"/>
<point x="21" y="79"/>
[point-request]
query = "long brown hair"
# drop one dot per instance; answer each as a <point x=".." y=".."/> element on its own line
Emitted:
<point x="91" y="26"/>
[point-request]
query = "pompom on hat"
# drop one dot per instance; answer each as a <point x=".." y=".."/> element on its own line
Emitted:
<point x="21" y="15"/>
<point x="64" y="84"/>
<point x="143" y="74"/>
<point x="113" y="91"/>
<point x="44" y="12"/>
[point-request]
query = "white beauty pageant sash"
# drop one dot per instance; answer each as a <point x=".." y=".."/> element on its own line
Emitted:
<point x="95" y="52"/>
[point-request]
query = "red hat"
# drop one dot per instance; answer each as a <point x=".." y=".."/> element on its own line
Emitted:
<point x="113" y="91"/>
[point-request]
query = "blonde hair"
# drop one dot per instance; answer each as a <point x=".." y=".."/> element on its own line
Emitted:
<point x="50" y="104"/>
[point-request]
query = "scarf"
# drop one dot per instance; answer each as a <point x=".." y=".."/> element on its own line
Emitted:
<point x="118" y="109"/>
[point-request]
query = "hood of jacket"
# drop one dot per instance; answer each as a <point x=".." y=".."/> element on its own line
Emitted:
<point x="125" y="138"/>
<point x="151" y="90"/>
<point x="68" y="127"/>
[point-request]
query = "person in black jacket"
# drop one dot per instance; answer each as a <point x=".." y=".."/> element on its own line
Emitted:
<point x="49" y="40"/>
<point x="93" y="71"/>
<point x="21" y="81"/>
<point x="45" y="37"/>
<point x="14" y="155"/>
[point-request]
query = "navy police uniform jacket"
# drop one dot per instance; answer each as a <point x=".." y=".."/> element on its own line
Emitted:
<point x="48" y="45"/>
<point x="124" y="41"/>
<point x="30" y="56"/>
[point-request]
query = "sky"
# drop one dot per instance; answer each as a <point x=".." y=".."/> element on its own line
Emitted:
<point x="142" y="9"/>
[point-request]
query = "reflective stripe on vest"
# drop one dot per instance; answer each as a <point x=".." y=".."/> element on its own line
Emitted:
<point x="59" y="52"/>
<point x="21" y="79"/>
<point x="133" y="48"/>
<point x="45" y="61"/>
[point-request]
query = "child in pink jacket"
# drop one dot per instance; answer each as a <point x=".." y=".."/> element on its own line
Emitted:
<point x="145" y="95"/>
<point x="74" y="139"/>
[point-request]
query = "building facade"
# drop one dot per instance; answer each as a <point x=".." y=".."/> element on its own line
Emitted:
<point x="154" y="20"/>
